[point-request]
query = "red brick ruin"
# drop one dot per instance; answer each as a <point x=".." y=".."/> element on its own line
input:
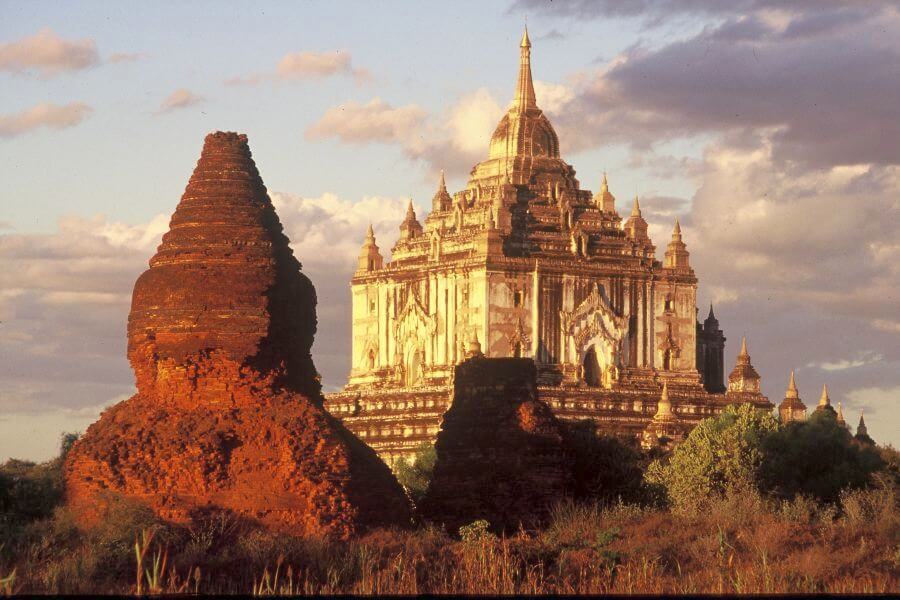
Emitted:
<point x="500" y="452"/>
<point x="228" y="414"/>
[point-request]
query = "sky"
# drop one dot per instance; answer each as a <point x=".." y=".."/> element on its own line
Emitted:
<point x="770" y="128"/>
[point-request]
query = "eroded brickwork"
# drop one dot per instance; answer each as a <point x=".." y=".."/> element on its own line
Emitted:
<point x="228" y="414"/>
<point x="500" y="453"/>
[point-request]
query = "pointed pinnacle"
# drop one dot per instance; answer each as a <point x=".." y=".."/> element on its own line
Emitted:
<point x="792" y="386"/>
<point x="370" y="233"/>
<point x="526" y="42"/>
<point x="410" y="211"/>
<point x="744" y="346"/>
<point x="677" y="231"/>
<point x="665" y="392"/>
<point x="443" y="183"/>
<point x="636" y="209"/>
<point x="711" y="314"/>
<point x="824" y="400"/>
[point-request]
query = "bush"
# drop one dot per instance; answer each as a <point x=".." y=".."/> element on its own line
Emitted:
<point x="603" y="468"/>
<point x="415" y="477"/>
<point x="722" y="453"/>
<point x="817" y="458"/>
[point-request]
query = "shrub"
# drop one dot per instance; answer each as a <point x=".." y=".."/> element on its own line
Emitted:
<point x="817" y="458"/>
<point x="415" y="477"/>
<point x="476" y="531"/>
<point x="603" y="468"/>
<point x="722" y="453"/>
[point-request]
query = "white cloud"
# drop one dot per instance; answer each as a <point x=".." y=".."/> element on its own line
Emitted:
<point x="452" y="141"/>
<point x="52" y="116"/>
<point x="180" y="98"/>
<point x="302" y="66"/>
<point x="375" y="121"/>
<point x="860" y="359"/>
<point x="48" y="54"/>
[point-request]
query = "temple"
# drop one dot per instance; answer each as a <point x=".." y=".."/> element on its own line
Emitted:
<point x="523" y="262"/>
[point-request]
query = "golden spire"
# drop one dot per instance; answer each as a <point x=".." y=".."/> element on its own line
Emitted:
<point x="824" y="400"/>
<point x="676" y="233"/>
<point x="840" y="414"/>
<point x="525" y="98"/>
<point x="443" y="184"/>
<point x="743" y="346"/>
<point x="636" y="209"/>
<point x="604" y="185"/>
<point x="792" y="388"/>
<point x="410" y="211"/>
<point x="370" y="235"/>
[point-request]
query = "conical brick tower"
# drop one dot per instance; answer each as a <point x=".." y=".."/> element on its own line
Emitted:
<point x="228" y="414"/>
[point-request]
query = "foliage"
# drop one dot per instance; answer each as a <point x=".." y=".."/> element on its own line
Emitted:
<point x="720" y="454"/>
<point x="475" y="531"/>
<point x="603" y="468"/>
<point x="415" y="477"/>
<point x="817" y="458"/>
<point x="30" y="491"/>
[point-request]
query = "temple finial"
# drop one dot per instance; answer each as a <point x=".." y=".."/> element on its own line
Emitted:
<point x="824" y="400"/>
<point x="410" y="211"/>
<point x="676" y="233"/>
<point x="711" y="314"/>
<point x="604" y="185"/>
<point x="370" y="233"/>
<point x="792" y="387"/>
<point x="744" y="346"/>
<point x="525" y="97"/>
<point x="636" y="209"/>
<point x="443" y="184"/>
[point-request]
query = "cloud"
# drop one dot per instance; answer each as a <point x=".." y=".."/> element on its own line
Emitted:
<point x="375" y="121"/>
<point x="65" y="297"/>
<point x="302" y="66"/>
<point x="822" y="82"/>
<point x="453" y="141"/>
<point x="860" y="359"/>
<point x="48" y="54"/>
<point x="52" y="116"/>
<point x="654" y="11"/>
<point x="180" y="98"/>
<point x="316" y="65"/>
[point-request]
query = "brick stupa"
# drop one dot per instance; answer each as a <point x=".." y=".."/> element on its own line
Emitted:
<point x="500" y="451"/>
<point x="228" y="415"/>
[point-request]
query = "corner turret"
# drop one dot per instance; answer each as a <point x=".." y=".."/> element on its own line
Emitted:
<point x="676" y="253"/>
<point x="792" y="408"/>
<point x="370" y="258"/>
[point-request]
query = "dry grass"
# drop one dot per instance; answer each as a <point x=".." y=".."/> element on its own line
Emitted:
<point x="742" y="544"/>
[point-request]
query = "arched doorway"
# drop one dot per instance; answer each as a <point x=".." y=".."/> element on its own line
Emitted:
<point x="592" y="371"/>
<point x="414" y="368"/>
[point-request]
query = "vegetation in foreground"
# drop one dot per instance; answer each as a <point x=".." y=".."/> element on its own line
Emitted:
<point x="735" y="509"/>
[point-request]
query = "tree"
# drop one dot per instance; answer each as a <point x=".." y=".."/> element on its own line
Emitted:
<point x="722" y="453"/>
<point x="603" y="468"/>
<point x="817" y="458"/>
<point x="416" y="476"/>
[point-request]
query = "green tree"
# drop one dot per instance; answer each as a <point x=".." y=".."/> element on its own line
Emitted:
<point x="722" y="453"/>
<point x="817" y="458"/>
<point x="415" y="476"/>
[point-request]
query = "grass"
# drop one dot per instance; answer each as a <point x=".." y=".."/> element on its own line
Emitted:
<point x="741" y="544"/>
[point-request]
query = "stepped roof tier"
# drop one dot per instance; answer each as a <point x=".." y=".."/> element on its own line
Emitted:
<point x="533" y="266"/>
